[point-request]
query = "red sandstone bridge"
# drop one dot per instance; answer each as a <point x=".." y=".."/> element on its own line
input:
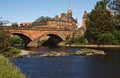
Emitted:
<point x="31" y="35"/>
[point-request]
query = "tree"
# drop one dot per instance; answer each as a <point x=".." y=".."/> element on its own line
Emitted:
<point x="100" y="22"/>
<point x="117" y="35"/>
<point x="76" y="40"/>
<point x="4" y="44"/>
<point x="108" y="39"/>
<point x="41" y="20"/>
<point x="3" y="22"/>
<point x="15" y="24"/>
<point x="114" y="6"/>
<point x="16" y="40"/>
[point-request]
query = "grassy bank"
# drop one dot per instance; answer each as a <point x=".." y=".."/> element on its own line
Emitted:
<point x="8" y="70"/>
<point x="94" y="46"/>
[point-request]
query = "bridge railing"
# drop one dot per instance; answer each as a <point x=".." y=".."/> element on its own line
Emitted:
<point x="35" y="28"/>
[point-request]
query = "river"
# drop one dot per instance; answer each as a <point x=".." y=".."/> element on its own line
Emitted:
<point x="107" y="66"/>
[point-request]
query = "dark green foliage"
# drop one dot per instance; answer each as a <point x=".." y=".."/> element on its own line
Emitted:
<point x="100" y="22"/>
<point x="11" y="52"/>
<point x="117" y="35"/>
<point x="76" y="40"/>
<point x="15" y="24"/>
<point x="5" y="46"/>
<point x="16" y="40"/>
<point x="41" y="21"/>
<point x="108" y="39"/>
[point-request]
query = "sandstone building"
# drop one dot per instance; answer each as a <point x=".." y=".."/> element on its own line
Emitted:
<point x="65" y="21"/>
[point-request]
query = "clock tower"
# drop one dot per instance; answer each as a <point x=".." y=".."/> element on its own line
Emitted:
<point x="69" y="12"/>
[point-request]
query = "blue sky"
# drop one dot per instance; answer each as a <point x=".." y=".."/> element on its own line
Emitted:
<point x="29" y="10"/>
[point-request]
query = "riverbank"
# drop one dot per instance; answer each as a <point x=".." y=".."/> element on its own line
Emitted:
<point x="8" y="70"/>
<point x="82" y="52"/>
<point x="94" y="46"/>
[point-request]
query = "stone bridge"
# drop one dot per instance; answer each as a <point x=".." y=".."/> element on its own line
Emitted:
<point x="32" y="35"/>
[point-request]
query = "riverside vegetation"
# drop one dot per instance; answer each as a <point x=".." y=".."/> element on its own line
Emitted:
<point x="8" y="70"/>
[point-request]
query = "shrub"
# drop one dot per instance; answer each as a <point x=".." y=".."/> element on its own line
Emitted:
<point x="12" y="52"/>
<point x="108" y="39"/>
<point x="117" y="35"/>
<point x="76" y="40"/>
<point x="8" y="70"/>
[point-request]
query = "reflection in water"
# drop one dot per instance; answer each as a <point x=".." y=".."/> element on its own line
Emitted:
<point x="71" y="66"/>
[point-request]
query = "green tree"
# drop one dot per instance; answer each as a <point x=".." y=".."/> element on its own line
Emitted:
<point x="4" y="44"/>
<point x="117" y="35"/>
<point x="76" y="40"/>
<point x="41" y="20"/>
<point x="107" y="38"/>
<point x="16" y="40"/>
<point x="100" y="22"/>
<point x="4" y="36"/>
<point x="15" y="24"/>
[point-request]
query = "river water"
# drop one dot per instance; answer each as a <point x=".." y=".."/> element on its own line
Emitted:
<point x="107" y="66"/>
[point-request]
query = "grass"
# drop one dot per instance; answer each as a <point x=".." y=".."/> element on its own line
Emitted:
<point x="86" y="51"/>
<point x="8" y="70"/>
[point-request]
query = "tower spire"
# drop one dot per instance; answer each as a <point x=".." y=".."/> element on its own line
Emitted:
<point x="69" y="12"/>
<point x="69" y="6"/>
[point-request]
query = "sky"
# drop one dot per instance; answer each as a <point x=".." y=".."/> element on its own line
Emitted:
<point x="29" y="10"/>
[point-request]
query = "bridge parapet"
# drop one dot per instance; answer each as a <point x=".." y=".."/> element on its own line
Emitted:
<point x="36" y="28"/>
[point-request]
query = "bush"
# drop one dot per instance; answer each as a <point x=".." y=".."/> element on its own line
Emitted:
<point x="117" y="35"/>
<point x="15" y="40"/>
<point x="76" y="40"/>
<point x="12" y="52"/>
<point x="108" y="39"/>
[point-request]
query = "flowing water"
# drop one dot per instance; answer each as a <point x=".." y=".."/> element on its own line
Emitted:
<point x="107" y="66"/>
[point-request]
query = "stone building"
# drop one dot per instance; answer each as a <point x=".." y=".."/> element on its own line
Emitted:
<point x="65" y="21"/>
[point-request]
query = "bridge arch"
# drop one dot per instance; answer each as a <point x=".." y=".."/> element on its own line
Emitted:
<point x="62" y="36"/>
<point x="25" y="38"/>
<point x="53" y="39"/>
